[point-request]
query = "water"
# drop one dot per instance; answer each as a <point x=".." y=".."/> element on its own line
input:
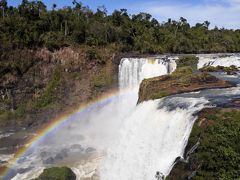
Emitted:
<point x="116" y="139"/>
<point x="156" y="132"/>
<point x="150" y="140"/>
<point x="133" y="70"/>
<point x="219" y="60"/>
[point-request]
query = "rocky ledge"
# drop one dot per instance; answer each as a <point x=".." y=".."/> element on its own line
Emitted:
<point x="181" y="81"/>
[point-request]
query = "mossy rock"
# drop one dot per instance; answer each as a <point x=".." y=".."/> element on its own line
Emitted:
<point x="57" y="173"/>
<point x="181" y="81"/>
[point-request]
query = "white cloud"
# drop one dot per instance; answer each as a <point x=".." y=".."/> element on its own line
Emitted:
<point x="223" y="13"/>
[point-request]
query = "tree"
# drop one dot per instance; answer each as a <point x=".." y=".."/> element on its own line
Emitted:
<point x="41" y="7"/>
<point x="54" y="6"/>
<point x="78" y="6"/>
<point x="3" y="5"/>
<point x="32" y="25"/>
<point x="206" y="24"/>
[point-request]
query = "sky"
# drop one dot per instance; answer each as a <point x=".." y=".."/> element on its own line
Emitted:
<point x="221" y="13"/>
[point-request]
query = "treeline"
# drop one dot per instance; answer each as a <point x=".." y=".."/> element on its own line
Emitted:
<point x="32" y="25"/>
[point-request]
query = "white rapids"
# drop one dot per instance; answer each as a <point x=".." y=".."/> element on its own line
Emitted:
<point x="217" y="60"/>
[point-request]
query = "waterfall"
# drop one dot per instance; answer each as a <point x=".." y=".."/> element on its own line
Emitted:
<point x="150" y="140"/>
<point x="133" y="70"/>
<point x="155" y="133"/>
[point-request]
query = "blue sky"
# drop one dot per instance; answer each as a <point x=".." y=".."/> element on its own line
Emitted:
<point x="221" y="13"/>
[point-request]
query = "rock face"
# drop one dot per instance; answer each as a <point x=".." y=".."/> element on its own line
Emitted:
<point x="57" y="173"/>
<point x="213" y="150"/>
<point x="37" y="85"/>
<point x="183" y="80"/>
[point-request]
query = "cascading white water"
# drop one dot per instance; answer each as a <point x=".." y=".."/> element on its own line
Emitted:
<point x="150" y="140"/>
<point x="216" y="60"/>
<point x="133" y="70"/>
<point x="151" y="137"/>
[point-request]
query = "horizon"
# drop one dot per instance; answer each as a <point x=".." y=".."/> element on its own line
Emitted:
<point x="223" y="13"/>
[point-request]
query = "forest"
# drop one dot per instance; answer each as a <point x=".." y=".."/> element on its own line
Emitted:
<point x="32" y="25"/>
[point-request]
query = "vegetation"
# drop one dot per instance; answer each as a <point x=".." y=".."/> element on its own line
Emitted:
<point x="9" y="114"/>
<point x="102" y="80"/>
<point x="32" y="25"/>
<point x="48" y="95"/>
<point x="182" y="71"/>
<point x="27" y="106"/>
<point x="188" y="61"/>
<point x="218" y="154"/>
<point x="57" y="173"/>
<point x="219" y="69"/>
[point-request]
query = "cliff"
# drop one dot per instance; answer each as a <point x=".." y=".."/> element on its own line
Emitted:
<point x="37" y="85"/>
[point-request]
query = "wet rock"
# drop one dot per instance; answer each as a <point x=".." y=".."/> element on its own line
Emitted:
<point x="49" y="160"/>
<point x="3" y="162"/>
<point x="64" y="152"/>
<point x="24" y="170"/>
<point x="44" y="154"/>
<point x="90" y="150"/>
<point x="59" y="157"/>
<point x="77" y="147"/>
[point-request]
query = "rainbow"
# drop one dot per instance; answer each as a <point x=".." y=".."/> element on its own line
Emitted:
<point x="56" y="123"/>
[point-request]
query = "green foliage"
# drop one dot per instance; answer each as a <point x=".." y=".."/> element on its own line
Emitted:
<point x="219" y="68"/>
<point x="219" y="151"/>
<point x="32" y="25"/>
<point x="15" y="114"/>
<point x="49" y="94"/>
<point x="102" y="80"/>
<point x="43" y="101"/>
<point x="189" y="61"/>
<point x="57" y="173"/>
<point x="182" y="71"/>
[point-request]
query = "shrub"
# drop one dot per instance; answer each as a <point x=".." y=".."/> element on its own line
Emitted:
<point x="102" y="80"/>
<point x="91" y="54"/>
<point x="48" y="94"/>
<point x="188" y="60"/>
<point x="182" y="71"/>
<point x="219" y="68"/>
